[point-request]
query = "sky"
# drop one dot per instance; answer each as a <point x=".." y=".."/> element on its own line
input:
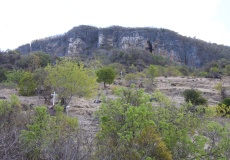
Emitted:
<point x="22" y="21"/>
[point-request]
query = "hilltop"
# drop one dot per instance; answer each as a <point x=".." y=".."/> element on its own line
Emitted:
<point x="85" y="40"/>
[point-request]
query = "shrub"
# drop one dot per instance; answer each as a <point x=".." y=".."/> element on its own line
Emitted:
<point x="114" y="88"/>
<point x="184" y="70"/>
<point x="202" y="74"/>
<point x="27" y="85"/>
<point x="226" y="101"/>
<point x="194" y="97"/>
<point x="172" y="71"/>
<point x="224" y="107"/>
<point x="131" y="78"/>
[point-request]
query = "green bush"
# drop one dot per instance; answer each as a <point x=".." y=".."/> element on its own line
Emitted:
<point x="194" y="97"/>
<point x="14" y="76"/>
<point x="226" y="101"/>
<point x="2" y="74"/>
<point x="27" y="85"/>
<point x="201" y="74"/>
<point x="184" y="70"/>
<point x="224" y="107"/>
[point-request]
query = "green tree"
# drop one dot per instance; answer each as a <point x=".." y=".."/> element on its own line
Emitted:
<point x="23" y="62"/>
<point x="14" y="76"/>
<point x="106" y="75"/>
<point x="68" y="79"/>
<point x="27" y="84"/>
<point x="45" y="58"/>
<point x="35" y="62"/>
<point x="3" y="74"/>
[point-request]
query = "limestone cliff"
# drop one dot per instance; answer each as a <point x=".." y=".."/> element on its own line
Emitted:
<point x="85" y="39"/>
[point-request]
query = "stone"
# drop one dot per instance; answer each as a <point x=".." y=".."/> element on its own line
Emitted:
<point x="86" y="39"/>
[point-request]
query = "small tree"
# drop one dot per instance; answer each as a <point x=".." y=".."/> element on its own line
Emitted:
<point x="27" y="84"/>
<point x="106" y="75"/>
<point x="45" y="58"/>
<point x="69" y="79"/>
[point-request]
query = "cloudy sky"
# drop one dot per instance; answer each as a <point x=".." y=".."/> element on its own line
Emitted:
<point x="22" y="21"/>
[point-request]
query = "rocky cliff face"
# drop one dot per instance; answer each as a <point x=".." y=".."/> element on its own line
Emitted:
<point x="85" y="39"/>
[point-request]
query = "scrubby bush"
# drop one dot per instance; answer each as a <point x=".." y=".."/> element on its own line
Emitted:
<point x="201" y="74"/>
<point x="224" y="107"/>
<point x="213" y="70"/>
<point x="226" y="101"/>
<point x="172" y="71"/>
<point x="194" y="96"/>
<point x="184" y="70"/>
<point x="131" y="78"/>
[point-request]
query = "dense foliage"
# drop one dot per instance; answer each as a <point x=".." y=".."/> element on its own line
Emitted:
<point x="127" y="129"/>
<point x="224" y="107"/>
<point x="106" y="75"/>
<point x="194" y="96"/>
<point x="27" y="84"/>
<point x="132" y="128"/>
<point x="69" y="79"/>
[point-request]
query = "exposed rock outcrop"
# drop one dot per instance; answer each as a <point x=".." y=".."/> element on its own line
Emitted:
<point x="85" y="39"/>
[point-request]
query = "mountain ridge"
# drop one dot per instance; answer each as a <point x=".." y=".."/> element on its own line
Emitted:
<point x="85" y="39"/>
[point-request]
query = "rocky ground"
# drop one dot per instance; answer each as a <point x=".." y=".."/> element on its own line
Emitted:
<point x="174" y="87"/>
<point x="171" y="86"/>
